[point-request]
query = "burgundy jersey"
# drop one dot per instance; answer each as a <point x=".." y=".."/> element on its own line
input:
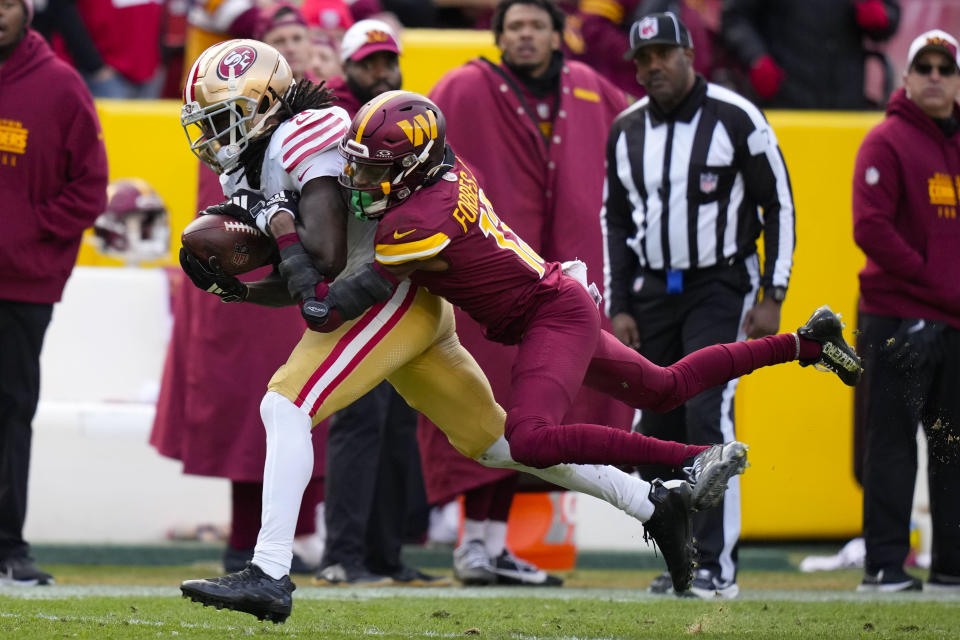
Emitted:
<point x="494" y="275"/>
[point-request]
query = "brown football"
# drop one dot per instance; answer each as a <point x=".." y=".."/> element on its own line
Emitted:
<point x="239" y="247"/>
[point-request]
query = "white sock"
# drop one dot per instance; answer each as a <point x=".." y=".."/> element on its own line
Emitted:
<point x="286" y="472"/>
<point x="496" y="538"/>
<point x="474" y="529"/>
<point x="628" y="493"/>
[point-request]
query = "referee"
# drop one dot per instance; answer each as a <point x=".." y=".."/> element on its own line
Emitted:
<point x="694" y="175"/>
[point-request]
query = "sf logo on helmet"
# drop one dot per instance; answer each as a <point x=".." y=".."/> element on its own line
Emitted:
<point x="236" y="62"/>
<point x="420" y="128"/>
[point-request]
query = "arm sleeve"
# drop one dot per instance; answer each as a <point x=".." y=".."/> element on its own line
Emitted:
<point x="876" y="191"/>
<point x="84" y="194"/>
<point x="768" y="184"/>
<point x="739" y="32"/>
<point x="616" y="221"/>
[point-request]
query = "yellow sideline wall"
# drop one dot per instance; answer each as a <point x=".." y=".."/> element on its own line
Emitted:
<point x="798" y="422"/>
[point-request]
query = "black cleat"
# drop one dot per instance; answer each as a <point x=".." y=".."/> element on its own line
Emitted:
<point x="712" y="469"/>
<point x="671" y="528"/>
<point x="511" y="570"/>
<point x="825" y="327"/>
<point x="249" y="591"/>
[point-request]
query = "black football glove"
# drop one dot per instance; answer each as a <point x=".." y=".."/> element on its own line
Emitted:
<point x="916" y="344"/>
<point x="211" y="278"/>
<point x="239" y="206"/>
<point x="299" y="272"/>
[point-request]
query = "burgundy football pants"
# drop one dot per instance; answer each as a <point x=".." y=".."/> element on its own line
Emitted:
<point x="564" y="347"/>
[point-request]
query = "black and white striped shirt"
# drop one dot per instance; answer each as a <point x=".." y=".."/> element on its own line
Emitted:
<point x="694" y="190"/>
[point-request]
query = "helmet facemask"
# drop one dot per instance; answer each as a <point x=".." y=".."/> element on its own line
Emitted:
<point x="219" y="132"/>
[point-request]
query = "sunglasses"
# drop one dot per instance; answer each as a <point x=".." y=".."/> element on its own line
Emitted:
<point x="925" y="69"/>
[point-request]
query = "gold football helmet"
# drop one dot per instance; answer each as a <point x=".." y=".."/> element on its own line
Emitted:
<point x="230" y="92"/>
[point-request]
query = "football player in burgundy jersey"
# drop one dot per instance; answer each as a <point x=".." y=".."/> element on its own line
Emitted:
<point x="438" y="230"/>
<point x="271" y="138"/>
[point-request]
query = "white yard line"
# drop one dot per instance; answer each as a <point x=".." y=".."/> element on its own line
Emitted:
<point x="565" y="593"/>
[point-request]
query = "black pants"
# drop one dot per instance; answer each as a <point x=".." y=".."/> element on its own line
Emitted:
<point x="22" y="327"/>
<point x="709" y="311"/>
<point x="899" y="399"/>
<point x="373" y="475"/>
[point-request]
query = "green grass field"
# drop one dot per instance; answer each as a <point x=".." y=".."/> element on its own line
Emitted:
<point x="143" y="602"/>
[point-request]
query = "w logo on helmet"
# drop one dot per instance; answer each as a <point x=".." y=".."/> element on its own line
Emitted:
<point x="422" y="126"/>
<point x="376" y="35"/>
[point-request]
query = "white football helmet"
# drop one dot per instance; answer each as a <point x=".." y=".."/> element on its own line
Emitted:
<point x="230" y="92"/>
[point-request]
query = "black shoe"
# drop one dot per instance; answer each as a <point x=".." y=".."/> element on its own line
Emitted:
<point x="662" y="584"/>
<point x="250" y="591"/>
<point x="671" y="528"/>
<point x="410" y="577"/>
<point x="708" y="586"/>
<point x="825" y="327"/>
<point x="21" y="571"/>
<point x="710" y="471"/>
<point x="942" y="582"/>
<point x="888" y="581"/>
<point x="236" y="559"/>
<point x="511" y="570"/>
<point x="336" y="575"/>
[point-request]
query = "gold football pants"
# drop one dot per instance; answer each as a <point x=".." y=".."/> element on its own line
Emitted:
<point x="409" y="340"/>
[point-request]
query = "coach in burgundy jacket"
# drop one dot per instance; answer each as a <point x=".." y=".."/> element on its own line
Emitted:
<point x="906" y="218"/>
<point x="53" y="184"/>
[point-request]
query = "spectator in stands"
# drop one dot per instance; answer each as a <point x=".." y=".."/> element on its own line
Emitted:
<point x="53" y="184"/>
<point x="116" y="46"/>
<point x="810" y="54"/>
<point x="283" y="27"/>
<point x="905" y="219"/>
<point x="327" y="17"/>
<point x="371" y="448"/>
<point x="539" y="148"/>
<point x="326" y="61"/>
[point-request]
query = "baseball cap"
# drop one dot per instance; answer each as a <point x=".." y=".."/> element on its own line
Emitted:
<point x="327" y="14"/>
<point x="274" y="15"/>
<point x="366" y="37"/>
<point x="934" y="40"/>
<point x="658" y="28"/>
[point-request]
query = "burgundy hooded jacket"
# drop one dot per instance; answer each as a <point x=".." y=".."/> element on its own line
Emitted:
<point x="905" y="216"/>
<point x="53" y="171"/>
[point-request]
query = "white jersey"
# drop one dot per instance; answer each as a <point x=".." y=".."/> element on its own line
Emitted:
<point x="301" y="149"/>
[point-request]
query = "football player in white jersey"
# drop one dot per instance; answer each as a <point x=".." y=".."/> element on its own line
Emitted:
<point x="274" y="144"/>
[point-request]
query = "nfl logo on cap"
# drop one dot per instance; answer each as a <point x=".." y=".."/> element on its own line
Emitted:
<point x="648" y="28"/>
<point x="658" y="28"/>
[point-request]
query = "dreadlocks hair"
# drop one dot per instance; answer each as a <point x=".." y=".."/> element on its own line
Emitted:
<point x="298" y="97"/>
